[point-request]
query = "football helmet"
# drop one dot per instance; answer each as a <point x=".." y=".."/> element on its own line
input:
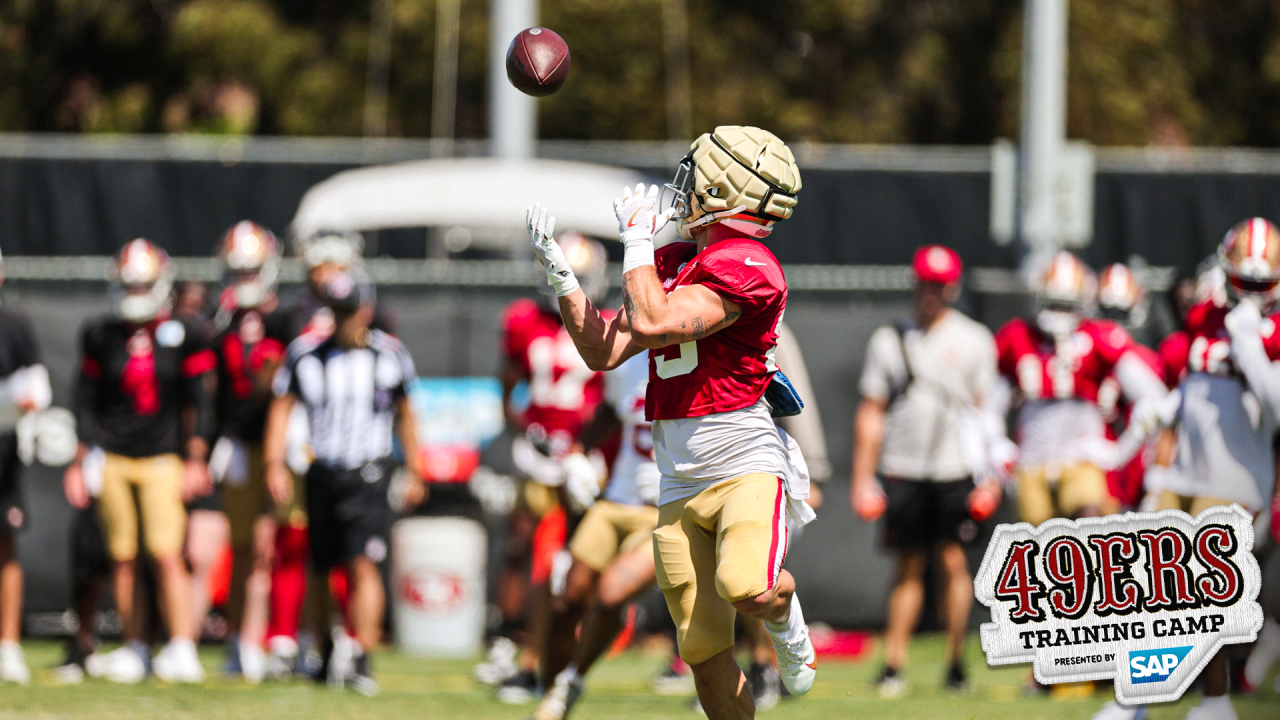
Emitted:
<point x="250" y="256"/>
<point x="340" y="247"/>
<point x="1250" y="258"/>
<point x="1064" y="291"/>
<point x="742" y="176"/>
<point x="1121" y="296"/>
<point x="142" y="282"/>
<point x="1211" y="282"/>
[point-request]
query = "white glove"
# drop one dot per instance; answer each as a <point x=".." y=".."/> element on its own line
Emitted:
<point x="638" y="221"/>
<point x="581" y="481"/>
<point x="1244" y="319"/>
<point x="541" y="233"/>
<point x="1105" y="454"/>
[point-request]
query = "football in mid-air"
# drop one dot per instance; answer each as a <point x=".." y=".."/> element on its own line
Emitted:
<point x="537" y="62"/>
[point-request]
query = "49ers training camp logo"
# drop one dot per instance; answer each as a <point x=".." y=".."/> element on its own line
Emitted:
<point x="1144" y="598"/>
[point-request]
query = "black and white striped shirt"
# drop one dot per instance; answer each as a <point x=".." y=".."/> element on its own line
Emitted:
<point x="350" y="394"/>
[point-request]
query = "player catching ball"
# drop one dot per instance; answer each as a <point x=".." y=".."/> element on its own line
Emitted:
<point x="708" y="311"/>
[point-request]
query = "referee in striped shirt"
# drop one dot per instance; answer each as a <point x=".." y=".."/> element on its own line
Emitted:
<point x="353" y="387"/>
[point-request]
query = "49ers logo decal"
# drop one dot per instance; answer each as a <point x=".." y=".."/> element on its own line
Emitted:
<point x="1079" y="598"/>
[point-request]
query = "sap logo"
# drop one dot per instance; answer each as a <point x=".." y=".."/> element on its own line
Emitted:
<point x="1147" y="666"/>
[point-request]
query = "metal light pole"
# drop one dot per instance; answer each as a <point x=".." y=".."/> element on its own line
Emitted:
<point x="513" y="120"/>
<point x="444" y="91"/>
<point x="378" y="70"/>
<point x="1044" y="104"/>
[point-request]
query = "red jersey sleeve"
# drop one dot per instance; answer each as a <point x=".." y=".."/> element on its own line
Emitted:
<point x="746" y="274"/>
<point x="1110" y="341"/>
<point x="670" y="258"/>
<point x="1011" y="343"/>
<point x="517" y="320"/>
<point x="1174" y="352"/>
<point x="1270" y="336"/>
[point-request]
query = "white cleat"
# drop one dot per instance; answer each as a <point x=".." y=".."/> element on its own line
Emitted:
<point x="253" y="662"/>
<point x="797" y="662"/>
<point x="122" y="665"/>
<point x="1115" y="711"/>
<point x="1219" y="711"/>
<point x="283" y="658"/>
<point x="13" y="666"/>
<point x="341" y="660"/>
<point x="500" y="664"/>
<point x="560" y="698"/>
<point x="179" y="663"/>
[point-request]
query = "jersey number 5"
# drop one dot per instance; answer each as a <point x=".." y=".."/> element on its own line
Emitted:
<point x="685" y="360"/>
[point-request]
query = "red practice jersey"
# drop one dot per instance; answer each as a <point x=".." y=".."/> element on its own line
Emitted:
<point x="563" y="391"/>
<point x="730" y="369"/>
<point x="1043" y="369"/>
<point x="1208" y="348"/>
<point x="1173" y="352"/>
<point x="1125" y="484"/>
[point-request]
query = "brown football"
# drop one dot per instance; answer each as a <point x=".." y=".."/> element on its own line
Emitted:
<point x="537" y="62"/>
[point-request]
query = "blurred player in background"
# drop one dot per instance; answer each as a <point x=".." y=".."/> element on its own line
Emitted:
<point x="141" y="371"/>
<point x="353" y="386"/>
<point x="562" y="396"/>
<point x="612" y="547"/>
<point x="922" y="385"/>
<point x="1227" y="406"/>
<point x="1122" y="299"/>
<point x="250" y="343"/>
<point x="207" y="527"/>
<point x="728" y="478"/>
<point x="1057" y="362"/>
<point x="323" y="253"/>
<point x="24" y="388"/>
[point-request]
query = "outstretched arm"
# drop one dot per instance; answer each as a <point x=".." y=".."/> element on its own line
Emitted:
<point x="602" y="344"/>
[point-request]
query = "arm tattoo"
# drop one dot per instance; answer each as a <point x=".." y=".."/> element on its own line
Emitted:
<point x="699" y="331"/>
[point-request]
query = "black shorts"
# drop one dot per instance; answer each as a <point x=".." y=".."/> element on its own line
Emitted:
<point x="211" y="502"/>
<point x="13" y="511"/>
<point x="922" y="513"/>
<point x="348" y="513"/>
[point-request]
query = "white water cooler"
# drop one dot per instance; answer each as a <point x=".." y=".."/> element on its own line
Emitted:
<point x="438" y="586"/>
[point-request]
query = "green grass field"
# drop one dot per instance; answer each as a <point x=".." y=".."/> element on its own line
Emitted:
<point x="417" y="688"/>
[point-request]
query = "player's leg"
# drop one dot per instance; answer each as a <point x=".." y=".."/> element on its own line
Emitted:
<point x="905" y="602"/>
<point x="567" y="610"/>
<point x="288" y="589"/>
<point x="684" y="546"/>
<point x="163" y="518"/>
<point x="90" y="569"/>
<point x="119" y="520"/>
<point x="630" y="575"/>
<point x="959" y="599"/>
<point x="207" y="536"/>
<point x="751" y="536"/>
<point x="1082" y="491"/>
<point x="909" y="521"/>
<point x="1035" y="502"/>
<point x="13" y="668"/>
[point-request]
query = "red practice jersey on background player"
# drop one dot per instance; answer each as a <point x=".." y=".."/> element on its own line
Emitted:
<point x="730" y="369"/>
<point x="1125" y="484"/>
<point x="1043" y="369"/>
<point x="1173" y="353"/>
<point x="563" y="391"/>
<point x="1208" y="346"/>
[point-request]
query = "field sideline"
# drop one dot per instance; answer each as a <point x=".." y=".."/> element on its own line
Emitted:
<point x="417" y="688"/>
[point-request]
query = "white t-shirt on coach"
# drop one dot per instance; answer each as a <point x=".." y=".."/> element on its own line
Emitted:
<point x="952" y="363"/>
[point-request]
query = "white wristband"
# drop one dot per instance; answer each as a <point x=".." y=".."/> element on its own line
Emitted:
<point x="638" y="253"/>
<point x="562" y="284"/>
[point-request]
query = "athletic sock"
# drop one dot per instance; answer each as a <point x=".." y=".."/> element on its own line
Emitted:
<point x="288" y="582"/>
<point x="1217" y="702"/>
<point x="791" y="629"/>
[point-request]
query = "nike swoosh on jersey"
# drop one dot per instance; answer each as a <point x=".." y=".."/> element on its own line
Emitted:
<point x="753" y="264"/>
